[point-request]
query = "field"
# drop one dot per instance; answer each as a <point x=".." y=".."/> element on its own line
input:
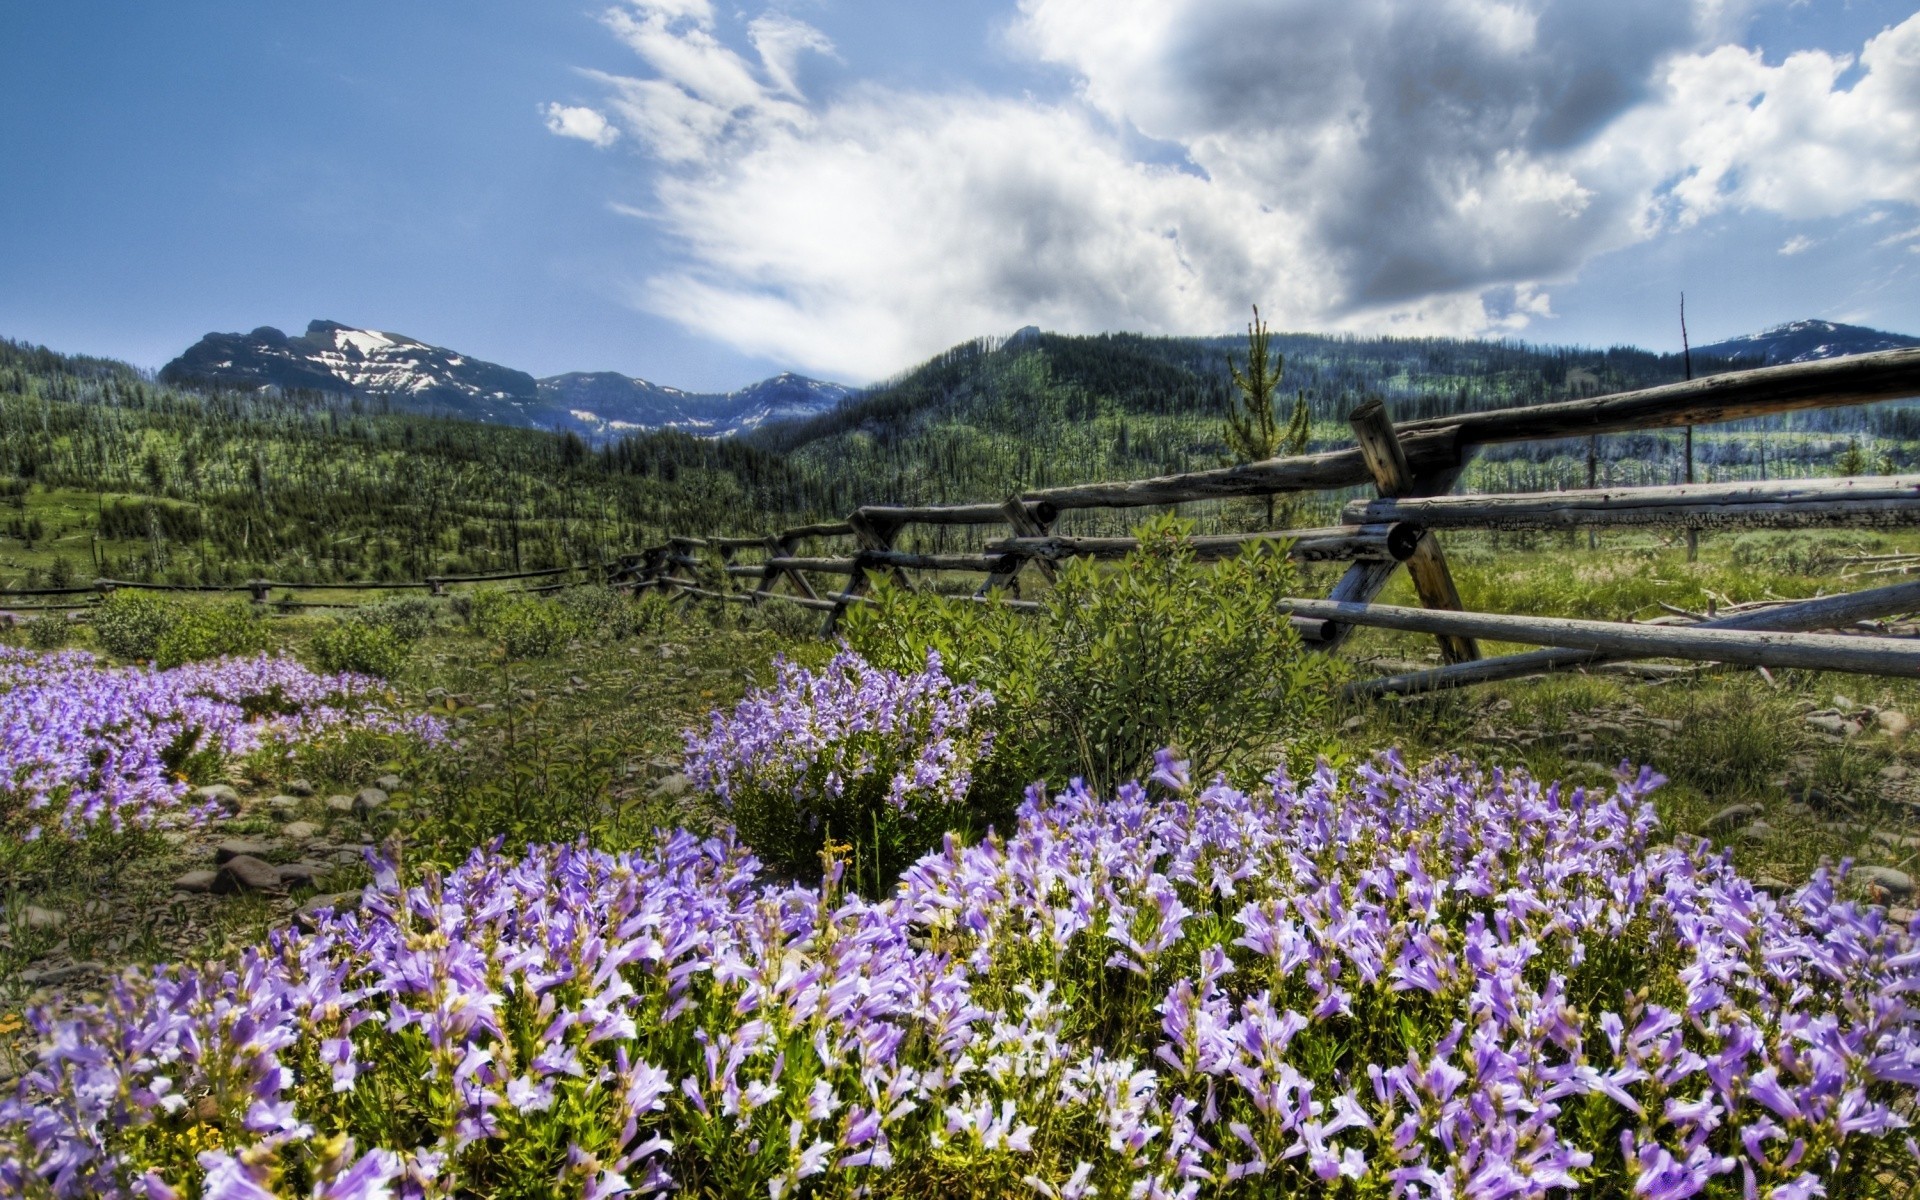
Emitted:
<point x="1786" y="774"/>
<point x="479" y="917"/>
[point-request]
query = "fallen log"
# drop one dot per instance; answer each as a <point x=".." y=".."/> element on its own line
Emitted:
<point x="1779" y="504"/>
<point x="1753" y="648"/>
<point x="1827" y="612"/>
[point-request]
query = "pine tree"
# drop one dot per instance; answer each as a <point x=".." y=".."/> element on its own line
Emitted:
<point x="1253" y="431"/>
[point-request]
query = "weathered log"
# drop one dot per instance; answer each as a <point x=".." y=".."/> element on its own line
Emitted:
<point x="825" y="529"/>
<point x="1736" y="396"/>
<point x="1827" y="612"/>
<point x="1427" y="451"/>
<point x="1332" y="543"/>
<point x="882" y="516"/>
<point x="1427" y="565"/>
<point x="1807" y="651"/>
<point x="1782" y="503"/>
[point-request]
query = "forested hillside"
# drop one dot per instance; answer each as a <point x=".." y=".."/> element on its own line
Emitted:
<point x="107" y="473"/>
<point x="104" y="472"/>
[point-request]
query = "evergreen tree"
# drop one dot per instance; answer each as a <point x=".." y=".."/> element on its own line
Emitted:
<point x="1253" y="431"/>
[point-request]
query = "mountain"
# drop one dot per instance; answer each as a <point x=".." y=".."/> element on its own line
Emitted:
<point x="412" y="376"/>
<point x="607" y="404"/>
<point x="1805" y="341"/>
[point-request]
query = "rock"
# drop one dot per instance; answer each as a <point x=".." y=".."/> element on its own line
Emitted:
<point x="308" y="917"/>
<point x="1759" y="831"/>
<point x="670" y="786"/>
<point x="1885" y="881"/>
<point x="174" y="837"/>
<point x="1772" y="886"/>
<point x="388" y="783"/>
<point x="1893" y="723"/>
<point x="283" y="806"/>
<point x="1844" y="704"/>
<point x="299" y="787"/>
<point x="340" y="803"/>
<point x="1834" y="724"/>
<point x="301" y="831"/>
<point x="1797" y="809"/>
<point x="43" y="918"/>
<point x="302" y="873"/>
<point x="1730" y="818"/>
<point x="195" y="881"/>
<point x="246" y="873"/>
<point x="221" y="794"/>
<point x="1353" y="724"/>
<point x="234" y="848"/>
<point x="369" y="799"/>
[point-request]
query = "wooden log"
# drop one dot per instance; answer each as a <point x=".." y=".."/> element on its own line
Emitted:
<point x="1735" y="396"/>
<point x="872" y="533"/>
<point x="1333" y="543"/>
<point x="825" y="529"/>
<point x="1805" y="651"/>
<point x="1427" y="564"/>
<point x="1866" y="500"/>
<point x="1426" y="452"/>
<point x="1827" y="612"/>
<point x="884" y="515"/>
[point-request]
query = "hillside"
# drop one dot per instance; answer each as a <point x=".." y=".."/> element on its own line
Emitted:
<point x="993" y="417"/>
<point x="408" y="375"/>
<point x="103" y="472"/>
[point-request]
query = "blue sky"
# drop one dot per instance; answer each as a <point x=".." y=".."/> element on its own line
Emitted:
<point x="843" y="187"/>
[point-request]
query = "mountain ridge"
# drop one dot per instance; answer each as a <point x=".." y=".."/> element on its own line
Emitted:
<point x="331" y="357"/>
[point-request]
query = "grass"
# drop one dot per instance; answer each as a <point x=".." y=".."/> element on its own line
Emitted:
<point x="577" y="744"/>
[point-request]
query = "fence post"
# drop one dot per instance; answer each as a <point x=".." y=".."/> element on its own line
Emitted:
<point x="1025" y="522"/>
<point x="872" y="535"/>
<point x="259" y="589"/>
<point x="1387" y="461"/>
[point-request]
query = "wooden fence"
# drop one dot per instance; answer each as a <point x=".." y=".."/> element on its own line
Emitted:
<point x="259" y="589"/>
<point x="1412" y="467"/>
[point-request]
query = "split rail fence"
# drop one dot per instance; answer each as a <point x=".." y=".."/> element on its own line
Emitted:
<point x="1412" y="467"/>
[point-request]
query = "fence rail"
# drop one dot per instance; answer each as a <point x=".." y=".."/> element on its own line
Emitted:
<point x="1412" y="467"/>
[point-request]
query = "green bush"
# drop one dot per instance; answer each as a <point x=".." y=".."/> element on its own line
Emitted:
<point x="48" y="631"/>
<point x="408" y="618"/>
<point x="130" y="624"/>
<point x="524" y="626"/>
<point x="362" y="646"/>
<point x="603" y="612"/>
<point x="1159" y="650"/>
<point x="201" y="631"/>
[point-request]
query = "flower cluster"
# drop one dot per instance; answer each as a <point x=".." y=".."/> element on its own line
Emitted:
<point x="833" y="729"/>
<point x="85" y="745"/>
<point x="1430" y="983"/>
<point x="852" y="750"/>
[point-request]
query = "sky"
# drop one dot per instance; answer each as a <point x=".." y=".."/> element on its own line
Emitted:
<point x="703" y="194"/>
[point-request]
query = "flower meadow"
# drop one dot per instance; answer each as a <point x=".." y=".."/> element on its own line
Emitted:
<point x="1421" y="982"/>
<point x="84" y="745"/>
<point x="879" y="758"/>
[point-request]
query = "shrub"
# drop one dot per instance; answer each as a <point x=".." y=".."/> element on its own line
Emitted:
<point x="1159" y="650"/>
<point x="227" y="628"/>
<point x="603" y="612"/>
<point x="524" y="626"/>
<point x="408" y="618"/>
<point x="48" y="631"/>
<point x="361" y="646"/>
<point x="1407" y="983"/>
<point x="878" y="760"/>
<point x="130" y="624"/>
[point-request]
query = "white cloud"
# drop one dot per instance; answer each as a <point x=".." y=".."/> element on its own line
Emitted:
<point x="1414" y="166"/>
<point x="587" y="124"/>
<point x="1799" y="243"/>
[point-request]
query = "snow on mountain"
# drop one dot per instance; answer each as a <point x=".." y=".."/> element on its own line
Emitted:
<point x="1805" y="341"/>
<point x="414" y="376"/>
